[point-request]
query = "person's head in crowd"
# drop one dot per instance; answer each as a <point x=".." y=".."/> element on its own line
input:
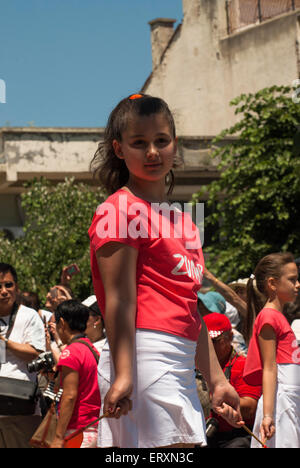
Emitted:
<point x="220" y="331"/>
<point x="30" y="299"/>
<point x="8" y="288"/>
<point x="240" y="288"/>
<point x="211" y="301"/>
<point x="56" y="296"/>
<point x="71" y="319"/>
<point x="95" y="325"/>
<point x="270" y="277"/>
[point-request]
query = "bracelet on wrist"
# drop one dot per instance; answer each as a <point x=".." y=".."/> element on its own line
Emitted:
<point x="268" y="416"/>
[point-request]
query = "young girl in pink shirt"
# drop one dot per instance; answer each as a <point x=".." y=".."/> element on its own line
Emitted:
<point x="80" y="401"/>
<point x="273" y="357"/>
<point x="147" y="268"/>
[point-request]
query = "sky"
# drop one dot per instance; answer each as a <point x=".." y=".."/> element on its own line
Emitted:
<point x="67" y="63"/>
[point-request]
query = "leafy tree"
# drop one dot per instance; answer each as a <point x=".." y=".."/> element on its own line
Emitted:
<point x="57" y="219"/>
<point x="255" y="204"/>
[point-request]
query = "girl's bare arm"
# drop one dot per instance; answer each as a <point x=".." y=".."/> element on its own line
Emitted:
<point x="117" y="266"/>
<point x="225" y="400"/>
<point x="267" y="345"/>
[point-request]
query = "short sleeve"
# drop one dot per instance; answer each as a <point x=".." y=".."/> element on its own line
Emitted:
<point x="268" y="317"/>
<point x="34" y="333"/>
<point x="69" y="358"/>
<point x="119" y="219"/>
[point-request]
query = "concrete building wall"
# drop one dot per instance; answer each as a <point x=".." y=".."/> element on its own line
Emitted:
<point x="197" y="69"/>
<point x="26" y="153"/>
<point x="57" y="153"/>
<point x="203" y="68"/>
<point x="29" y="152"/>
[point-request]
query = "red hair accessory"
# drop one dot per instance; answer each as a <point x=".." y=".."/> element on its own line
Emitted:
<point x="135" y="96"/>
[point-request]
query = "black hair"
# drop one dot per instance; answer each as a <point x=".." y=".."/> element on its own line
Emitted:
<point x="6" y="268"/>
<point x="74" y="313"/>
<point x="110" y="170"/>
<point x="96" y="312"/>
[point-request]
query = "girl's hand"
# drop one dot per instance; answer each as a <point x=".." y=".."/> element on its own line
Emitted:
<point x="117" y="400"/>
<point x="226" y="403"/>
<point x="267" y="428"/>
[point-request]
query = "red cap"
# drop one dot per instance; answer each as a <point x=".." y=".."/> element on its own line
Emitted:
<point x="217" y="324"/>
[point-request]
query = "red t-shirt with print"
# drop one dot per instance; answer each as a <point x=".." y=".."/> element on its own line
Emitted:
<point x="170" y="262"/>
<point x="80" y="358"/>
<point x="287" y="351"/>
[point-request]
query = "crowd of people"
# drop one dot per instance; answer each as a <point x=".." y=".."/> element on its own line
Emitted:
<point x="151" y="360"/>
<point x="58" y="327"/>
<point x="37" y="345"/>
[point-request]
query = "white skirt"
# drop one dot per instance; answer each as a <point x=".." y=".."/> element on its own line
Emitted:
<point x="287" y="410"/>
<point x="166" y="408"/>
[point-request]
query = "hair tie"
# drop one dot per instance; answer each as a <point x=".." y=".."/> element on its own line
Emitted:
<point x="252" y="276"/>
<point x="135" y="96"/>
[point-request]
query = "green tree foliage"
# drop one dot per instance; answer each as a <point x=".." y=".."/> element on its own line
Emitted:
<point x="255" y="204"/>
<point x="57" y="219"/>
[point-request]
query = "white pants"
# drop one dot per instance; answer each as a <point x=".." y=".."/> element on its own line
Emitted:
<point x="166" y="408"/>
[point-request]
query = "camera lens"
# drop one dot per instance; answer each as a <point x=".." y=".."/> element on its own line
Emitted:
<point x="35" y="365"/>
<point x="45" y="361"/>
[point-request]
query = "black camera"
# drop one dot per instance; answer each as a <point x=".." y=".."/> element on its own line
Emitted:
<point x="44" y="362"/>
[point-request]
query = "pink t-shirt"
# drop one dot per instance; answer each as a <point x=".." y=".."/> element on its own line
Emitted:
<point x="78" y="357"/>
<point x="286" y="344"/>
<point x="170" y="261"/>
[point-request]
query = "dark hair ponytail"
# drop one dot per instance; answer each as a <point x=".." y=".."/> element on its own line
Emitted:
<point x="255" y="302"/>
<point x="257" y="295"/>
<point x="111" y="171"/>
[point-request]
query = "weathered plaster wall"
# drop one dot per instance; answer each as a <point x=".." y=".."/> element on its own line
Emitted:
<point x="203" y="69"/>
<point x="26" y="153"/>
<point x="44" y="151"/>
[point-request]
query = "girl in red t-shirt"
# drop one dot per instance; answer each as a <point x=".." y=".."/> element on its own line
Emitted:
<point x="146" y="276"/>
<point x="273" y="357"/>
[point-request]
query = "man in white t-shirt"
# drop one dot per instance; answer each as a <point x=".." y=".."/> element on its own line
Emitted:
<point x="25" y="342"/>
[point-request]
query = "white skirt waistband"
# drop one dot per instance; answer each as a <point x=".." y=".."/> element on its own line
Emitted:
<point x="288" y="375"/>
